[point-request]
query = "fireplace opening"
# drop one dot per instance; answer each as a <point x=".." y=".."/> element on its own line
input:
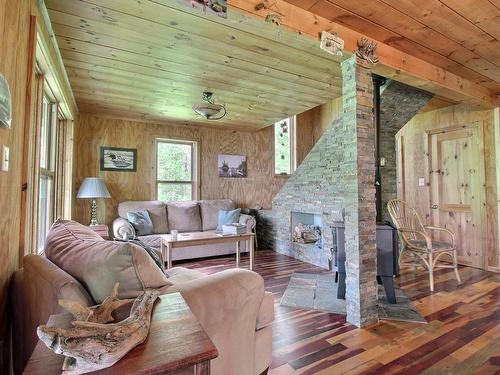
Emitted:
<point x="305" y="228"/>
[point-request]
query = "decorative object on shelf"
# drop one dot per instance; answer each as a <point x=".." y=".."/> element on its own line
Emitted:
<point x="93" y="188"/>
<point x="332" y="43"/>
<point x="118" y="159"/>
<point x="91" y="344"/>
<point x="210" y="110"/>
<point x="5" y="103"/>
<point x="210" y="7"/>
<point x="366" y="51"/>
<point x="232" y="165"/>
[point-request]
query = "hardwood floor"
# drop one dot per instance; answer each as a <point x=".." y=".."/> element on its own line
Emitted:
<point x="462" y="335"/>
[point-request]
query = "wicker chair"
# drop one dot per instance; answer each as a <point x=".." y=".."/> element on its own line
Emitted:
<point x="416" y="239"/>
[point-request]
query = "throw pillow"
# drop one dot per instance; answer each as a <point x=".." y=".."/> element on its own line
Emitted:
<point x="184" y="216"/>
<point x="228" y="217"/>
<point x="141" y="222"/>
<point x="99" y="264"/>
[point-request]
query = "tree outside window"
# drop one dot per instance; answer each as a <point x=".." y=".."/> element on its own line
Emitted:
<point x="284" y="146"/>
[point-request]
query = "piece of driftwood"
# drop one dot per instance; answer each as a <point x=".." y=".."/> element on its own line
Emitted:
<point x="366" y="51"/>
<point x="304" y="233"/>
<point x="97" y="314"/>
<point x="92" y="346"/>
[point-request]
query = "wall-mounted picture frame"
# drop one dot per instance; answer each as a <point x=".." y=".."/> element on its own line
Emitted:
<point x="232" y="165"/>
<point x="118" y="159"/>
<point x="5" y="103"/>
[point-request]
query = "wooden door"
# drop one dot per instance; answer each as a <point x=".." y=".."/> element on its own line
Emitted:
<point x="456" y="161"/>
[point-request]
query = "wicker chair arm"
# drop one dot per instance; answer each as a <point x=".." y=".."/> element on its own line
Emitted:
<point x="428" y="240"/>
<point x="449" y="232"/>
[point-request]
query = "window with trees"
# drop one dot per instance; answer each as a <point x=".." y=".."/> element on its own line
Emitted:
<point x="176" y="170"/>
<point x="46" y="189"/>
<point x="284" y="147"/>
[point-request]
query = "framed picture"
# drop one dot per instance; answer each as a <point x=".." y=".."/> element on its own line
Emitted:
<point x="118" y="159"/>
<point x="232" y="165"/>
<point x="5" y="103"/>
<point x="209" y="7"/>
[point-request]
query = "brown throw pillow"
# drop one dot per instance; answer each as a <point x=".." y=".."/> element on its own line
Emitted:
<point x="98" y="264"/>
<point x="184" y="216"/>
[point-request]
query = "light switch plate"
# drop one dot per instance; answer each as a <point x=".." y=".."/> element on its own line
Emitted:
<point x="421" y="181"/>
<point x="5" y="158"/>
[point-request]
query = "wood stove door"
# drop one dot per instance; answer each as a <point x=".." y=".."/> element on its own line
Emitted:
<point x="456" y="161"/>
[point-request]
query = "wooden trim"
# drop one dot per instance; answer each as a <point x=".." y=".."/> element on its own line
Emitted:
<point x="393" y="63"/>
<point x="496" y="126"/>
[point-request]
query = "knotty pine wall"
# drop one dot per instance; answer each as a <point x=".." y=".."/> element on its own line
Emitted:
<point x="412" y="136"/>
<point x="93" y="131"/>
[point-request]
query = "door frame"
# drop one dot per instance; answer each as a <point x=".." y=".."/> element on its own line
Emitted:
<point x="479" y="126"/>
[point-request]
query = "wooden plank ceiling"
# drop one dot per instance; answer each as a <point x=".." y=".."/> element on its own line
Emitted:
<point x="153" y="59"/>
<point x="460" y="36"/>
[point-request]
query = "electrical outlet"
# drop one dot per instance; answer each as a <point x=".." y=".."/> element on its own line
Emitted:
<point x="421" y="181"/>
<point x="5" y="158"/>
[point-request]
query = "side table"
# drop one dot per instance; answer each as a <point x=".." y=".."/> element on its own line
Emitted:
<point x="176" y="344"/>
<point x="102" y="230"/>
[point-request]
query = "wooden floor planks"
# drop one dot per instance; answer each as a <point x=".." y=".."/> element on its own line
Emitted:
<point x="462" y="336"/>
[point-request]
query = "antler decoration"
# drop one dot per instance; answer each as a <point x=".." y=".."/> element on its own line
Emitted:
<point x="90" y="344"/>
<point x="366" y="51"/>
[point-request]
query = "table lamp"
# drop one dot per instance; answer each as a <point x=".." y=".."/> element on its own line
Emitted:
<point x="93" y="188"/>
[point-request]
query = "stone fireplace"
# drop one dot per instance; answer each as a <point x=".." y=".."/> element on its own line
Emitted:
<point x="306" y="229"/>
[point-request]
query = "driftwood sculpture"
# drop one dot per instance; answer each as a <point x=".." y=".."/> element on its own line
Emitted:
<point x="366" y="51"/>
<point x="91" y="344"/>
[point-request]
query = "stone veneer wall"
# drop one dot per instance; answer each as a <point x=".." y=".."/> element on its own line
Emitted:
<point x="339" y="174"/>
<point x="399" y="103"/>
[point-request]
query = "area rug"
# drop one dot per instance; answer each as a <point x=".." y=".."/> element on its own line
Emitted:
<point x="319" y="292"/>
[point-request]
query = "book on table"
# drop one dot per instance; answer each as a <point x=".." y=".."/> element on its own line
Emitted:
<point x="234" y="228"/>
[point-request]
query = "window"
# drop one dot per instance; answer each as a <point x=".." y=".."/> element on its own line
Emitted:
<point x="284" y="155"/>
<point x="176" y="170"/>
<point x="46" y="188"/>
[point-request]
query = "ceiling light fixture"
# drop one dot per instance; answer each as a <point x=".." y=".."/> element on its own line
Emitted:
<point x="209" y="109"/>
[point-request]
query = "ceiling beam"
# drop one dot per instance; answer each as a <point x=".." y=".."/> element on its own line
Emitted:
<point x="393" y="64"/>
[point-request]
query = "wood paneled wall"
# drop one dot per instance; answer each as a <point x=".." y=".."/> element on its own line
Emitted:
<point x="312" y="123"/>
<point x="92" y="132"/>
<point x="14" y="57"/>
<point x="411" y="140"/>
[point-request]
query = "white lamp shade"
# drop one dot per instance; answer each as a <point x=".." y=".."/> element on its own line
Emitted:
<point x="93" y="187"/>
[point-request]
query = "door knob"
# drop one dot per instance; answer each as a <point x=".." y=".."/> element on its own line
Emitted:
<point x="434" y="206"/>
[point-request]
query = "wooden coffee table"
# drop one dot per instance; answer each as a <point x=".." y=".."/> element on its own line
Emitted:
<point x="176" y="344"/>
<point x="206" y="238"/>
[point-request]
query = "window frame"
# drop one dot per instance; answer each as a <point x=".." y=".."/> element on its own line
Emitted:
<point x="195" y="190"/>
<point x="292" y="146"/>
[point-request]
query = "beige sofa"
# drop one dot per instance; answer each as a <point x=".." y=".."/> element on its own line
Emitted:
<point x="231" y="305"/>
<point x="186" y="217"/>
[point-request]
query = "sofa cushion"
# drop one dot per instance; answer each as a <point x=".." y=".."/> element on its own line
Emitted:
<point x="99" y="264"/>
<point x="227" y="217"/>
<point x="210" y="211"/>
<point x="184" y="216"/>
<point x="157" y="212"/>
<point x="181" y="275"/>
<point x="141" y="222"/>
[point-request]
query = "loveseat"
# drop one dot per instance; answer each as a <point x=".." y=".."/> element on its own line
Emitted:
<point x="185" y="217"/>
<point x="231" y="305"/>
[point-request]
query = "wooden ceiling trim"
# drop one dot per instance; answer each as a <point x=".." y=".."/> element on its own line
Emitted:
<point x="178" y="81"/>
<point x="172" y="41"/>
<point x="482" y="13"/>
<point x="384" y="15"/>
<point x="393" y="62"/>
<point x="346" y="17"/>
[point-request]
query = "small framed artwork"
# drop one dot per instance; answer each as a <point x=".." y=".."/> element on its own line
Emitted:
<point x="118" y="159"/>
<point x="232" y="165"/>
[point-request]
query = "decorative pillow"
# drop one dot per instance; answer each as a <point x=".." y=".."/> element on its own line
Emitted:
<point x="141" y="222"/>
<point x="210" y="211"/>
<point x="184" y="216"/>
<point x="228" y="217"/>
<point x="99" y="264"/>
<point x="157" y="213"/>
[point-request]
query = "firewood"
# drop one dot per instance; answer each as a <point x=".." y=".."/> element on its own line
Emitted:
<point x="92" y="346"/>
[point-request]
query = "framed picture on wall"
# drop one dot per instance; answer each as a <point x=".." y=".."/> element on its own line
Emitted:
<point x="232" y="165"/>
<point x="118" y="159"/>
